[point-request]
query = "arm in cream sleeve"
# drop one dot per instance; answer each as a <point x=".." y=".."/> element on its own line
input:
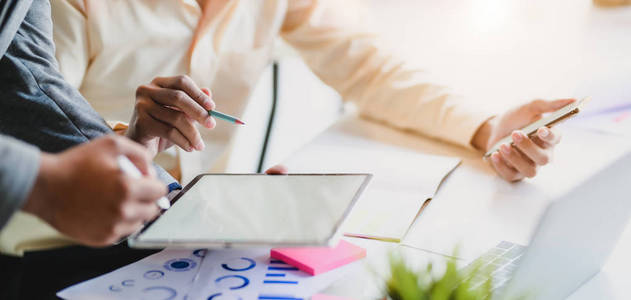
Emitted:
<point x="70" y="35"/>
<point x="383" y="87"/>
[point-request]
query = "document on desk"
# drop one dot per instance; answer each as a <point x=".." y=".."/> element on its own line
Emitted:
<point x="206" y="274"/>
<point x="613" y="120"/>
<point x="252" y="274"/>
<point x="168" y="274"/>
<point x="403" y="180"/>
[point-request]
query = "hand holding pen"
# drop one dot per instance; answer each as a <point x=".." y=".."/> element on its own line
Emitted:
<point x="166" y="111"/>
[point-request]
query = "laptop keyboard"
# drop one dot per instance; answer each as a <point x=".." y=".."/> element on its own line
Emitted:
<point x="502" y="259"/>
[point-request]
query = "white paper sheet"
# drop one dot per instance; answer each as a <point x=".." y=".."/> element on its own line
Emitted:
<point x="403" y="180"/>
<point x="166" y="275"/>
<point x="615" y="120"/>
<point x="251" y="274"/>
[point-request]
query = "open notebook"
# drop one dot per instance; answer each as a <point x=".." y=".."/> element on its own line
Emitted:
<point x="402" y="181"/>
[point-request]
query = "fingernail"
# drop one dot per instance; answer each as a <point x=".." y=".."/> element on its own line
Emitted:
<point x="496" y="158"/>
<point x="517" y="136"/>
<point x="544" y="132"/>
<point x="505" y="149"/>
<point x="208" y="123"/>
<point x="200" y="146"/>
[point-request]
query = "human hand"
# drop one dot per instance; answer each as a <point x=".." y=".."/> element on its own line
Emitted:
<point x="522" y="159"/>
<point x="277" y="170"/>
<point x="165" y="113"/>
<point x="83" y="193"/>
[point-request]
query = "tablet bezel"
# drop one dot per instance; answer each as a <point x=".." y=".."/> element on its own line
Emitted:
<point x="335" y="234"/>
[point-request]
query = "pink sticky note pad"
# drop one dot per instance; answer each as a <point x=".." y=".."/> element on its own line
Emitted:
<point x="317" y="260"/>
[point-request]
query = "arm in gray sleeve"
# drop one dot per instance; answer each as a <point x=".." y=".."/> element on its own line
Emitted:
<point x="12" y="13"/>
<point x="19" y="165"/>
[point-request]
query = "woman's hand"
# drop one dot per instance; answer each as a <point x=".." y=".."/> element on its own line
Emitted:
<point x="166" y="111"/>
<point x="522" y="159"/>
<point x="277" y="170"/>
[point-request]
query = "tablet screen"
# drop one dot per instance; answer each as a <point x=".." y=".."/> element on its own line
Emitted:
<point x="257" y="209"/>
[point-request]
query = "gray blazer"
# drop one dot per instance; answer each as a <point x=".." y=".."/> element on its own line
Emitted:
<point x="37" y="106"/>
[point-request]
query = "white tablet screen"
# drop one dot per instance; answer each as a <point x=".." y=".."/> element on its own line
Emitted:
<point x="292" y="209"/>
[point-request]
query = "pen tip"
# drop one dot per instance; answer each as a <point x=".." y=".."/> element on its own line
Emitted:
<point x="239" y="122"/>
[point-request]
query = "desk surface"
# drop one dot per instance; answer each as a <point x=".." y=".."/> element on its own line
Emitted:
<point x="500" y="53"/>
<point x="512" y="210"/>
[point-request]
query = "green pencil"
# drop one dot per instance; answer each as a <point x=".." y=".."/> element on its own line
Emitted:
<point x="225" y="117"/>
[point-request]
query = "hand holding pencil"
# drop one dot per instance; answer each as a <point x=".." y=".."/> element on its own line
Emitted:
<point x="166" y="111"/>
<point x="220" y="115"/>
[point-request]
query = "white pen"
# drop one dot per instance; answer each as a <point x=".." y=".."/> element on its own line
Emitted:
<point x="130" y="169"/>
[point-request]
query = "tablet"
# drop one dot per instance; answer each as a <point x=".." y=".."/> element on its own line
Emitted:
<point x="232" y="210"/>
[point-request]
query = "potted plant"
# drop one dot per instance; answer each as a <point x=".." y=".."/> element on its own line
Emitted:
<point x="405" y="283"/>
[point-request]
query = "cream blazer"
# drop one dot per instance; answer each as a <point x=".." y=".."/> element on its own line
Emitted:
<point x="108" y="48"/>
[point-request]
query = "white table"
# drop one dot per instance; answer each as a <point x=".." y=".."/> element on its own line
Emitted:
<point x="500" y="52"/>
<point x="513" y="209"/>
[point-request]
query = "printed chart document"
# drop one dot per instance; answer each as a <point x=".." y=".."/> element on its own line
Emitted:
<point x="206" y="274"/>
<point x="252" y="274"/>
<point x="168" y="274"/>
<point x="403" y="179"/>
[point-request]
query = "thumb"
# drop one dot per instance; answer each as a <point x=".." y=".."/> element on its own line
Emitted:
<point x="136" y="153"/>
<point x="538" y="107"/>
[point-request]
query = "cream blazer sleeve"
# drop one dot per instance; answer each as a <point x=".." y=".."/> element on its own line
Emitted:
<point x="383" y="87"/>
<point x="70" y="35"/>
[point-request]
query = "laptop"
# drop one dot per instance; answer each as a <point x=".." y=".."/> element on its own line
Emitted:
<point x="574" y="237"/>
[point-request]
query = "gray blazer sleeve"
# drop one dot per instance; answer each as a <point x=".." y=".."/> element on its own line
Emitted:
<point x="12" y="13"/>
<point x="18" y="169"/>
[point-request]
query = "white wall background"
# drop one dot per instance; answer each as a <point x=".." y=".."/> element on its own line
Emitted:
<point x="496" y="52"/>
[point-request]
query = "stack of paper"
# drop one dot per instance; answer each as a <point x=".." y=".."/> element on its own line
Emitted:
<point x="403" y="180"/>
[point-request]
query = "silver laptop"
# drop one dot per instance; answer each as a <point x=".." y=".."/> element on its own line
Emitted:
<point x="575" y="236"/>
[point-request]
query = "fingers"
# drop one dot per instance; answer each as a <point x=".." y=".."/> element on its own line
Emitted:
<point x="141" y="212"/>
<point x="186" y="84"/>
<point x="518" y="161"/>
<point x="523" y="158"/>
<point x="187" y="136"/>
<point x="208" y="93"/>
<point x="503" y="169"/>
<point x="530" y="149"/>
<point x="179" y="100"/>
<point x="172" y="134"/>
<point x="547" y="137"/>
<point x="538" y="107"/>
<point x="277" y="170"/>
<point x="136" y="153"/>
<point x="124" y="229"/>
<point x="140" y="203"/>
<point x="148" y="190"/>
